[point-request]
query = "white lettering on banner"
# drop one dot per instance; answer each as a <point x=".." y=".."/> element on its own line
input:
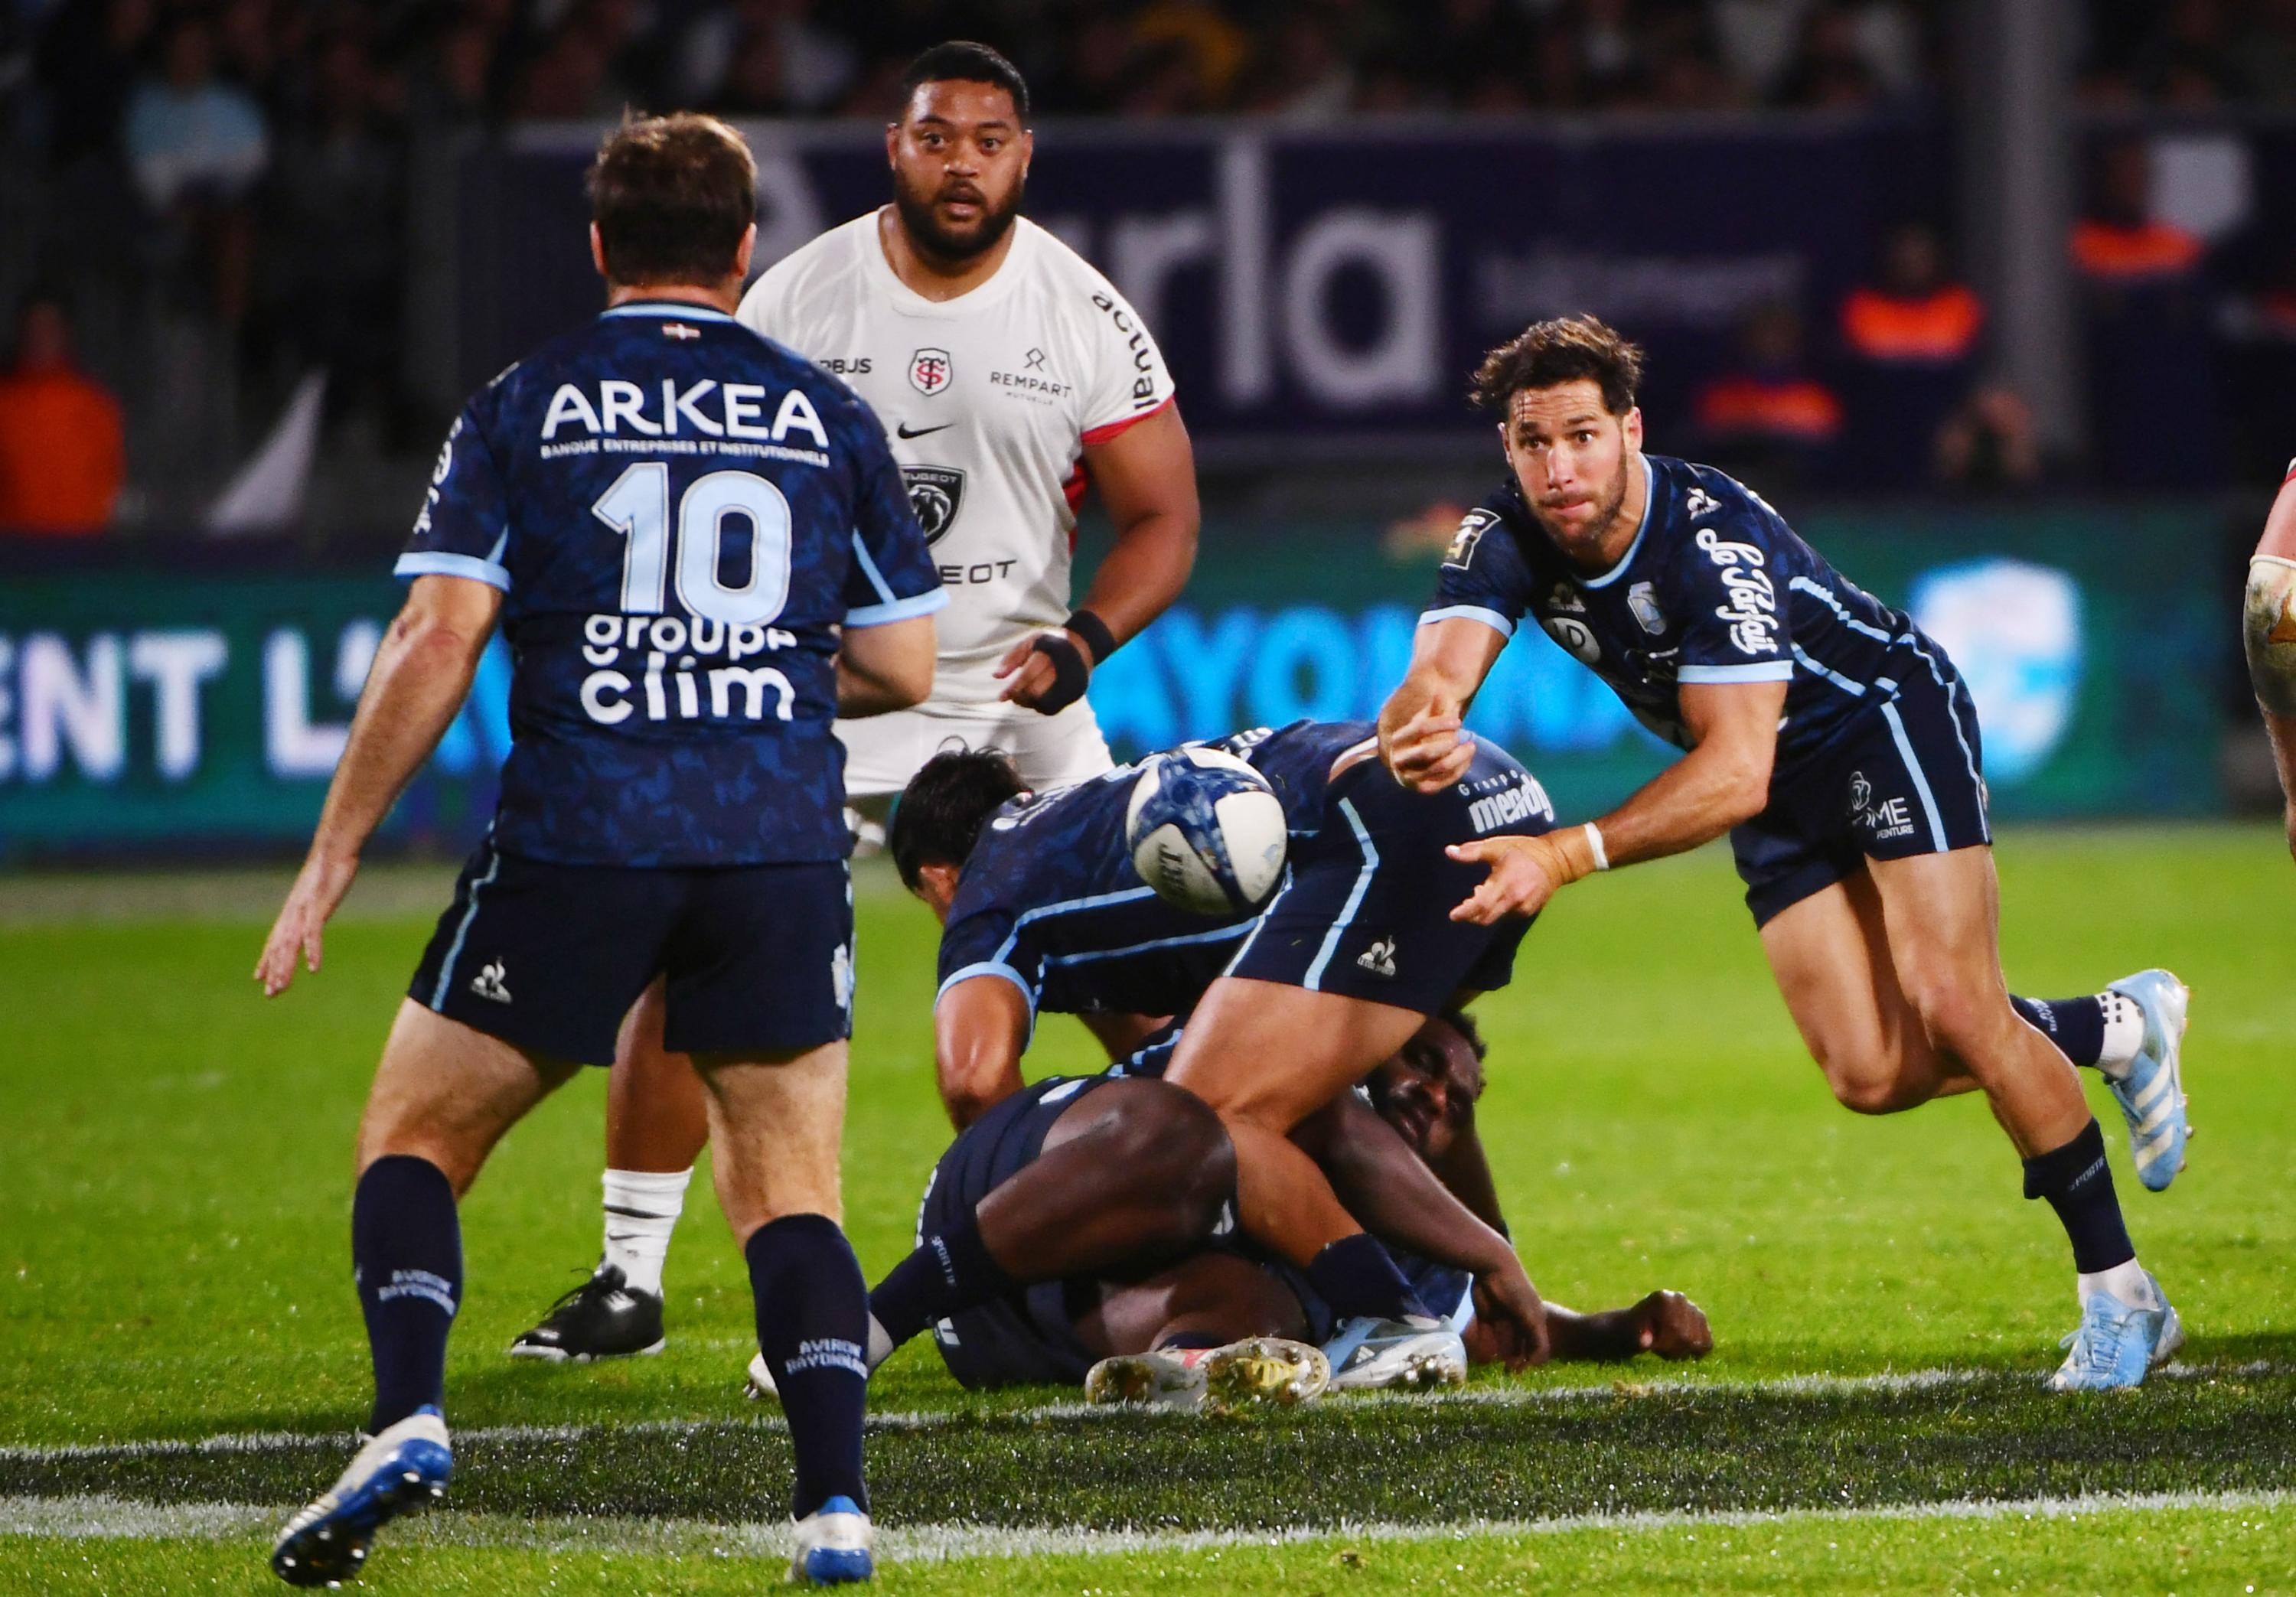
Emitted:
<point x="58" y="703"/>
<point x="293" y="744"/>
<point x="61" y="706"/>
<point x="175" y="663"/>
<point x="1267" y="295"/>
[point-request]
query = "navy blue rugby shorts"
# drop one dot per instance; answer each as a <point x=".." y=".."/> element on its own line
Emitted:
<point x="1029" y="1334"/>
<point x="1905" y="777"/>
<point x="1365" y="907"/>
<point x="549" y="957"/>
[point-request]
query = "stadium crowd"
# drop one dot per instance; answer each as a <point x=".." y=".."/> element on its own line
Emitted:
<point x="218" y="192"/>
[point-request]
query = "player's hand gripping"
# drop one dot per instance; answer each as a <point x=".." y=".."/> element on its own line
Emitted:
<point x="1672" y="1326"/>
<point x="1429" y="751"/>
<point x="318" y="890"/>
<point x="1508" y="1308"/>
<point x="1525" y="872"/>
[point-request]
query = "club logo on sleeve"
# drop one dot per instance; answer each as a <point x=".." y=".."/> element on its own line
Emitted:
<point x="1699" y="503"/>
<point x="1472" y="527"/>
<point x="936" y="493"/>
<point x="930" y="372"/>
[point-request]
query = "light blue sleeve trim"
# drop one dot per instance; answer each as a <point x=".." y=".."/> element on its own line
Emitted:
<point x="897" y="610"/>
<point x="422" y="564"/>
<point x="1768" y="670"/>
<point x="989" y="967"/>
<point x="869" y="569"/>
<point x="1470" y="612"/>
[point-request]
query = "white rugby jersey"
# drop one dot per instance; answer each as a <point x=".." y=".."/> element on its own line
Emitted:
<point x="988" y="400"/>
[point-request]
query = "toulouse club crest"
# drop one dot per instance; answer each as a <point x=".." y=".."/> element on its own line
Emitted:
<point x="929" y="372"/>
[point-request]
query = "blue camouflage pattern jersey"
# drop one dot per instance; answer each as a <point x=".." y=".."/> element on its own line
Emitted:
<point x="1049" y="900"/>
<point x="681" y="514"/>
<point x="1715" y="588"/>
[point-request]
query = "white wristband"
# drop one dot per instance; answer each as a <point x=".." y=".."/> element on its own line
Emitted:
<point x="1595" y="843"/>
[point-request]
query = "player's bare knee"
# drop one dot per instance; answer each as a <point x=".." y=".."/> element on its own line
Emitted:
<point x="2266" y="636"/>
<point x="1182" y="1155"/>
<point x="1877" y="1094"/>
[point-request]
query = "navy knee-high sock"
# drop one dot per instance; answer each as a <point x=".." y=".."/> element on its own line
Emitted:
<point x="813" y="1327"/>
<point x="1358" y="1278"/>
<point x="2077" y="1183"/>
<point x="406" y="1257"/>
<point x="2075" y="1025"/>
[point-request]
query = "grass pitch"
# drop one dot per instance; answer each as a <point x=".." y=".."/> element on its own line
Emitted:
<point x="173" y="1269"/>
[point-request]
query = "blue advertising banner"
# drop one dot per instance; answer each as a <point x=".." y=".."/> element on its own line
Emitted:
<point x="1320" y="284"/>
<point x="169" y="713"/>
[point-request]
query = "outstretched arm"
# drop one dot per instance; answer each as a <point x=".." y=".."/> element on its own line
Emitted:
<point x="1394" y="1195"/>
<point x="2268" y="635"/>
<point x="421" y="671"/>
<point x="1146" y="475"/>
<point x="1723" y="780"/>
<point x="1666" y="1324"/>
<point x="1420" y="734"/>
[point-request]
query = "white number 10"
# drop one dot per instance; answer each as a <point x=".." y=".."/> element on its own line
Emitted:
<point x="637" y="506"/>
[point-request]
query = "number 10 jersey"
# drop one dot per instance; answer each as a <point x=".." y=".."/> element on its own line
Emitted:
<point x="680" y="513"/>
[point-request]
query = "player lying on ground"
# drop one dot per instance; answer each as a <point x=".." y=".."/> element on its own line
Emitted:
<point x="2268" y="635"/>
<point x="1085" y="1216"/>
<point x="1011" y="372"/>
<point x="1836" y="745"/>
<point x="1043" y="909"/>
<point x="671" y="806"/>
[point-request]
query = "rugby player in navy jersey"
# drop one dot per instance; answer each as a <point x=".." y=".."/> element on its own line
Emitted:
<point x="1836" y="745"/>
<point x="1044" y="910"/>
<point x="1102" y="1197"/>
<point x="701" y="552"/>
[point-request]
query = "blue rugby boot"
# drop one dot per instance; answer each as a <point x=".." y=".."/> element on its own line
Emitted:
<point x="405" y="1468"/>
<point x="2118" y="1343"/>
<point x="2152" y="1092"/>
<point x="1415" y="1354"/>
<point x="832" y="1546"/>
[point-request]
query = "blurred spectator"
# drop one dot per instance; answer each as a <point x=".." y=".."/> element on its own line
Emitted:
<point x="1770" y="410"/>
<point x="1829" y="70"/>
<point x="190" y="137"/>
<point x="61" y="451"/>
<point x="196" y="146"/>
<point x="761" y="55"/>
<point x="1989" y="443"/>
<point x="336" y="233"/>
<point x="1911" y="340"/>
<point x="2145" y="331"/>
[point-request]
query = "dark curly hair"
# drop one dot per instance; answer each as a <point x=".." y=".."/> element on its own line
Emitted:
<point x="1563" y="349"/>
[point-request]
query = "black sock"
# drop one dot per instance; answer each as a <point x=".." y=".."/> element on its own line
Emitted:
<point x="1356" y="1276"/>
<point x="2077" y="1183"/>
<point x="813" y="1327"/>
<point x="951" y="1271"/>
<point x="2075" y="1025"/>
<point x="406" y="1257"/>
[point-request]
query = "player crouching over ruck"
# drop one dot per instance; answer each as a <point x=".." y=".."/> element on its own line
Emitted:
<point x="1836" y="745"/>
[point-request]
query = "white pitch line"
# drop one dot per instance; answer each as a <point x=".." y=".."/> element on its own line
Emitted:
<point x="1499" y="1396"/>
<point x="108" y="1518"/>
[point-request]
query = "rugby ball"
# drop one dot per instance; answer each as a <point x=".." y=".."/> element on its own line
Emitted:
<point x="1206" y="832"/>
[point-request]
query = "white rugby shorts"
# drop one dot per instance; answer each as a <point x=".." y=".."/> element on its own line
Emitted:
<point x="882" y="752"/>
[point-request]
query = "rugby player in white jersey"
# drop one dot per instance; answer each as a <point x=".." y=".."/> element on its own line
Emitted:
<point x="1009" y="373"/>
